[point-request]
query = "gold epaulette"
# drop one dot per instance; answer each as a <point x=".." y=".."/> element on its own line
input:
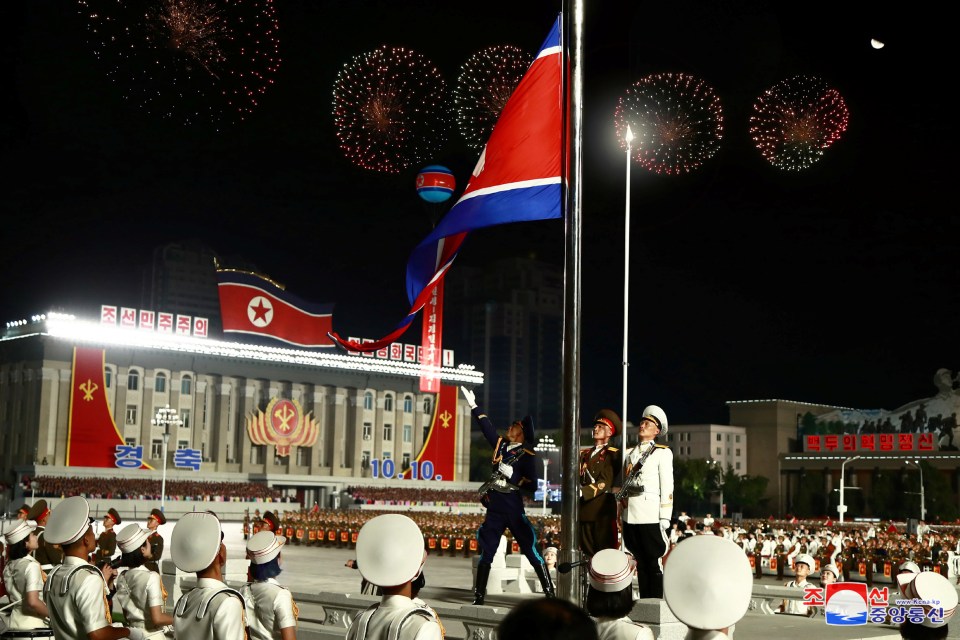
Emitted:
<point x="660" y="446"/>
<point x="613" y="449"/>
<point x="530" y="451"/>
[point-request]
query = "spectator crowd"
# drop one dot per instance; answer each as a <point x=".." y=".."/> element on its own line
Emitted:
<point x="149" y="489"/>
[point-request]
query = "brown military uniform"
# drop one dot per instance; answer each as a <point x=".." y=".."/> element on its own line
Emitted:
<point x="598" y="506"/>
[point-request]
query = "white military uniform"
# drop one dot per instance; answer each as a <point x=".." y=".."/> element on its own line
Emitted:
<point x="655" y="503"/>
<point x="395" y="617"/>
<point x="20" y="577"/>
<point x="270" y="608"/>
<point x="794" y="607"/>
<point x="211" y="611"/>
<point x="138" y="590"/>
<point x="76" y="597"/>
<point x="622" y="629"/>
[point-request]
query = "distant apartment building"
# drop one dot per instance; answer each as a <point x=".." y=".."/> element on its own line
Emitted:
<point x="724" y="444"/>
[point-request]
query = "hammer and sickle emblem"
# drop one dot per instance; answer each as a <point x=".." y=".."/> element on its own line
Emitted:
<point x="88" y="388"/>
<point x="445" y="419"/>
<point x="285" y="415"/>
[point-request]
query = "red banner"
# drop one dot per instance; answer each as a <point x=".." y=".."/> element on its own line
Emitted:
<point x="870" y="442"/>
<point x="92" y="435"/>
<point x="432" y="339"/>
<point x="440" y="447"/>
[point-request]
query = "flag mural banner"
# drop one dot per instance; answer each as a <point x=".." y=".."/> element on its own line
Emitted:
<point x="432" y="341"/>
<point x="254" y="305"/>
<point x="93" y="439"/>
<point x="437" y="457"/>
<point x="518" y="178"/>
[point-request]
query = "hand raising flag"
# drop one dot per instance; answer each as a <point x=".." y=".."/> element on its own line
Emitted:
<point x="519" y="178"/>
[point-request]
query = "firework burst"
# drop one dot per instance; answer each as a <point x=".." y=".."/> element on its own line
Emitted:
<point x="676" y="119"/>
<point x="188" y="61"/>
<point x="796" y="120"/>
<point x="388" y="109"/>
<point x="486" y="81"/>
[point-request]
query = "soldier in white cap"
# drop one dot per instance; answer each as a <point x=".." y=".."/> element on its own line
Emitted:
<point x="271" y="611"/>
<point x="76" y="591"/>
<point x="936" y="597"/>
<point x="140" y="591"/>
<point x="212" y="610"/>
<point x="802" y="566"/>
<point x="23" y="577"/>
<point x="648" y="483"/>
<point x="391" y="555"/>
<point x="707" y="584"/>
<point x="610" y="596"/>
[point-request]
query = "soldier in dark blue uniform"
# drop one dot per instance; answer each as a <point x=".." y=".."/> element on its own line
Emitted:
<point x="513" y="473"/>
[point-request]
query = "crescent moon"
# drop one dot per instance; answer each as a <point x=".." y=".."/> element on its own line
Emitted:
<point x="876" y="44"/>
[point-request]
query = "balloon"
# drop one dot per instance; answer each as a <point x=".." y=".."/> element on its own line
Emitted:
<point x="435" y="183"/>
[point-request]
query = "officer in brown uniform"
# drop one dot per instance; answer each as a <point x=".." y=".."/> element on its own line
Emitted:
<point x="107" y="540"/>
<point x="154" y="520"/>
<point x="599" y="466"/>
<point x="46" y="554"/>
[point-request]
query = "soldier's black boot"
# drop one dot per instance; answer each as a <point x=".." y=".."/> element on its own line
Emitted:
<point x="545" y="582"/>
<point x="480" y="588"/>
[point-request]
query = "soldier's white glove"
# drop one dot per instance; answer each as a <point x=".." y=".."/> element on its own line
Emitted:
<point x="506" y="470"/>
<point x="470" y="397"/>
<point x="664" y="523"/>
<point x="136" y="634"/>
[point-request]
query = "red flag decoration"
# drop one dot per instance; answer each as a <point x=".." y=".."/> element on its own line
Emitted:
<point x="519" y="178"/>
<point x="440" y="448"/>
<point x="92" y="435"/>
<point x="254" y="305"/>
<point x="432" y="337"/>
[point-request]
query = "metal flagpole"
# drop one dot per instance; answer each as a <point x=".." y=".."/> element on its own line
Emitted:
<point x="572" y="45"/>
<point x="626" y="278"/>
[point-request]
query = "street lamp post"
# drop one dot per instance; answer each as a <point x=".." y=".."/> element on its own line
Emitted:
<point x="166" y="417"/>
<point x="842" y="507"/>
<point x="546" y="446"/>
<point x="923" y="504"/>
<point x="628" y="138"/>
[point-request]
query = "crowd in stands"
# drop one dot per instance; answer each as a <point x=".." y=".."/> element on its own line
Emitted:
<point x="149" y="489"/>
<point x="412" y="496"/>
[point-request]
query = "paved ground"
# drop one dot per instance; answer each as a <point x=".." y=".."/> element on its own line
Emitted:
<point x="449" y="580"/>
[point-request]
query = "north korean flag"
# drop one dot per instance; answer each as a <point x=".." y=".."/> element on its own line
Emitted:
<point x="519" y="178"/>
<point x="253" y="305"/>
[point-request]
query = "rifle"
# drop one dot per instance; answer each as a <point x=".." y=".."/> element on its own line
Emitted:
<point x="627" y="487"/>
<point x="496" y="476"/>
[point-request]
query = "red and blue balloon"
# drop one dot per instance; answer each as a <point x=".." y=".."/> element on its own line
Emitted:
<point x="435" y="183"/>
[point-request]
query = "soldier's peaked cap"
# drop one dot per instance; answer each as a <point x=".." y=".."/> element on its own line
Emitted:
<point x="68" y="521"/>
<point x="38" y="511"/>
<point x="708" y="583"/>
<point x="390" y="550"/>
<point x="156" y="513"/>
<point x="610" y="417"/>
<point x="196" y="541"/>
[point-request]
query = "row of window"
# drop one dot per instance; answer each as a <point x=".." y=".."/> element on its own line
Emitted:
<point x="720" y="451"/>
<point x="685" y="437"/>
<point x="388" y="432"/>
<point x="368" y="402"/>
<point x="159" y="381"/>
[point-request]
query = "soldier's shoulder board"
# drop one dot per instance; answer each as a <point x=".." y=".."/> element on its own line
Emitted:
<point x="614" y="449"/>
<point x="661" y="446"/>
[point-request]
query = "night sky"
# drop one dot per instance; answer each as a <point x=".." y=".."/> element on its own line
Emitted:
<point x="834" y="285"/>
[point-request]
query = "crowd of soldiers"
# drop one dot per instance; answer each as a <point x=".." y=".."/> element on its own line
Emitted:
<point x="147" y="489"/>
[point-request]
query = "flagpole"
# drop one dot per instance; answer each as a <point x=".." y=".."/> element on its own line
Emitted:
<point x="626" y="279"/>
<point x="572" y="44"/>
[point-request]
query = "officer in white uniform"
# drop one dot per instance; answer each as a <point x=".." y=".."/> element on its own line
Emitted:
<point x="271" y="611"/>
<point x="139" y="591"/>
<point x="76" y="591"/>
<point x="23" y="577"/>
<point x="707" y="584"/>
<point x="803" y="565"/>
<point x="610" y="596"/>
<point x="646" y="516"/>
<point x="212" y="610"/>
<point x="391" y="555"/>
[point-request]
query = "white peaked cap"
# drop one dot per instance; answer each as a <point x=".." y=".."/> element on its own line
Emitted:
<point x="658" y="415"/>
<point x="132" y="537"/>
<point x="611" y="570"/>
<point x="930" y="586"/>
<point x="805" y="558"/>
<point x="390" y="550"/>
<point x="707" y="582"/>
<point x="16" y="530"/>
<point x="196" y="541"/>
<point x="264" y="546"/>
<point x="68" y="522"/>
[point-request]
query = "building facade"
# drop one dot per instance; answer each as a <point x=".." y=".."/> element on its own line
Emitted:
<point x="366" y="410"/>
<point x="724" y="444"/>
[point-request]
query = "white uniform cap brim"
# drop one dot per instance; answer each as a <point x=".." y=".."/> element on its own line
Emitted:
<point x="68" y="522"/>
<point x="611" y="570"/>
<point x="930" y="586"/>
<point x="659" y="415"/>
<point x="805" y="558"/>
<point x="832" y="568"/>
<point x="132" y="537"/>
<point x="911" y="566"/>
<point x="196" y="541"/>
<point x="707" y="582"/>
<point x="390" y="550"/>
<point x="16" y="530"/>
<point x="264" y="546"/>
